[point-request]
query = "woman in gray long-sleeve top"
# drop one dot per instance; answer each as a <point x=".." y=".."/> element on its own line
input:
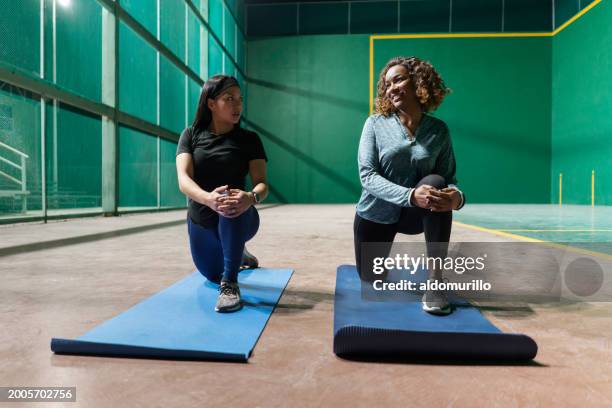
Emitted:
<point x="407" y="169"/>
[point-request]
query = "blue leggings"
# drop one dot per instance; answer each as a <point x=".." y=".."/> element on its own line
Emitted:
<point x="217" y="252"/>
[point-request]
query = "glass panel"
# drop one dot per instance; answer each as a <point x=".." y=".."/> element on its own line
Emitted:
<point x="193" y="44"/>
<point x="229" y="66"/>
<point x="192" y="102"/>
<point x="79" y="47"/>
<point x="215" y="17"/>
<point x="20" y="34"/>
<point x="230" y="34"/>
<point x="20" y="153"/>
<point x="172" y="96"/>
<point x="171" y="196"/>
<point x="137" y="87"/>
<point x="172" y="25"/>
<point x="137" y="168"/>
<point x="215" y="55"/>
<point x="143" y="11"/>
<point x="73" y="159"/>
<point x="240" y="51"/>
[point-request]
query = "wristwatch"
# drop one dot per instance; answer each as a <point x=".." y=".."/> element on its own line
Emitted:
<point x="256" y="197"/>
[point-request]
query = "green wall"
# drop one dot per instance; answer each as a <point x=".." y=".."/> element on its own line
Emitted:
<point x="582" y="101"/>
<point x="309" y="100"/>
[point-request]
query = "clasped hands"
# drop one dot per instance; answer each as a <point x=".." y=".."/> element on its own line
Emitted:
<point x="229" y="202"/>
<point x="428" y="197"/>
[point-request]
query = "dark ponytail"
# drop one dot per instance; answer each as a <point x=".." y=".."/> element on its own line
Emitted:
<point x="211" y="89"/>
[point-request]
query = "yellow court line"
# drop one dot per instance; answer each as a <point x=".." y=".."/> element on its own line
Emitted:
<point x="537" y="241"/>
<point x="556" y="230"/>
<point x="457" y="35"/>
<point x="576" y="17"/>
<point x="463" y="35"/>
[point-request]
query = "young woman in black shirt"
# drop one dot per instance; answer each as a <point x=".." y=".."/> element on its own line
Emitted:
<point x="213" y="157"/>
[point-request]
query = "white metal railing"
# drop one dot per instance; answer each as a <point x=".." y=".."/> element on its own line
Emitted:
<point x="22" y="180"/>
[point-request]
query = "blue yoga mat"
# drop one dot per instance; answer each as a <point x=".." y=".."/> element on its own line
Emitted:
<point x="180" y="322"/>
<point x="370" y="324"/>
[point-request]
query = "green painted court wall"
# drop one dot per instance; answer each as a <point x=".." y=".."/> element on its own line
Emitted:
<point x="308" y="100"/>
<point x="582" y="102"/>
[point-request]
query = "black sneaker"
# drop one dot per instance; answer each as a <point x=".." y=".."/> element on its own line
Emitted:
<point x="229" y="298"/>
<point x="248" y="260"/>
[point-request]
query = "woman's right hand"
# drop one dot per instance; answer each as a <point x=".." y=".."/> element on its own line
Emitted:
<point x="216" y="197"/>
<point x="420" y="197"/>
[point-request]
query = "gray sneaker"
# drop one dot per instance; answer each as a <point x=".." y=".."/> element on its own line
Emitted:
<point x="229" y="298"/>
<point x="435" y="302"/>
<point x="248" y="260"/>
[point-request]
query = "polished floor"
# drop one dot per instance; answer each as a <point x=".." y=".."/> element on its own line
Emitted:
<point x="62" y="278"/>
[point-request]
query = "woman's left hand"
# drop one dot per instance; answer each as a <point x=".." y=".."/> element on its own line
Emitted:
<point x="444" y="200"/>
<point x="235" y="203"/>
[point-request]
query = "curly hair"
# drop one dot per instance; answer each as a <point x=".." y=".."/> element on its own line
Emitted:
<point x="429" y="87"/>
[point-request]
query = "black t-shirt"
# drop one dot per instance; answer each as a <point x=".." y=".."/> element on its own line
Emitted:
<point x="218" y="160"/>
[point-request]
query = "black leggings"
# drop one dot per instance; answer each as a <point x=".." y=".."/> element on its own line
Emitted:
<point x="413" y="220"/>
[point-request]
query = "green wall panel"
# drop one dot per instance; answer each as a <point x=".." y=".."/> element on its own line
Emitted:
<point x="74" y="160"/>
<point x="172" y="26"/>
<point x="170" y="195"/>
<point x="137" y="87"/>
<point x="20" y="34"/>
<point x="172" y="97"/>
<point x="215" y="17"/>
<point x="230" y="34"/>
<point x="137" y="169"/>
<point x="215" y="58"/>
<point x="232" y="4"/>
<point x="143" y="11"/>
<point x="240" y="50"/>
<point x="309" y="109"/>
<point x="193" y="45"/>
<point x="192" y="102"/>
<point x="79" y="48"/>
<point x="230" y="69"/>
<point x="582" y="101"/>
<point x="499" y="122"/>
<point x="48" y="40"/>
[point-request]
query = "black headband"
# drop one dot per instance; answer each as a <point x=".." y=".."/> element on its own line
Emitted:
<point x="222" y="85"/>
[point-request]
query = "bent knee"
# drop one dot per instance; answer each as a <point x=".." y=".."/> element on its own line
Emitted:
<point x="434" y="180"/>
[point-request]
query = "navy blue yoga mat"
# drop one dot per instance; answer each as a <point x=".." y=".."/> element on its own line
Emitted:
<point x="370" y="325"/>
<point x="180" y="322"/>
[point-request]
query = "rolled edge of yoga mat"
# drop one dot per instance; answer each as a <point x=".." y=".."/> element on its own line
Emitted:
<point x="399" y="329"/>
<point x="79" y="347"/>
<point x="356" y="341"/>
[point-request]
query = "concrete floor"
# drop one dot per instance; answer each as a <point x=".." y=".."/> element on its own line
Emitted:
<point x="64" y="289"/>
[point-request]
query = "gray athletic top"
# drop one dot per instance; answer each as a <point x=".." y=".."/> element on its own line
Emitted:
<point x="391" y="163"/>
